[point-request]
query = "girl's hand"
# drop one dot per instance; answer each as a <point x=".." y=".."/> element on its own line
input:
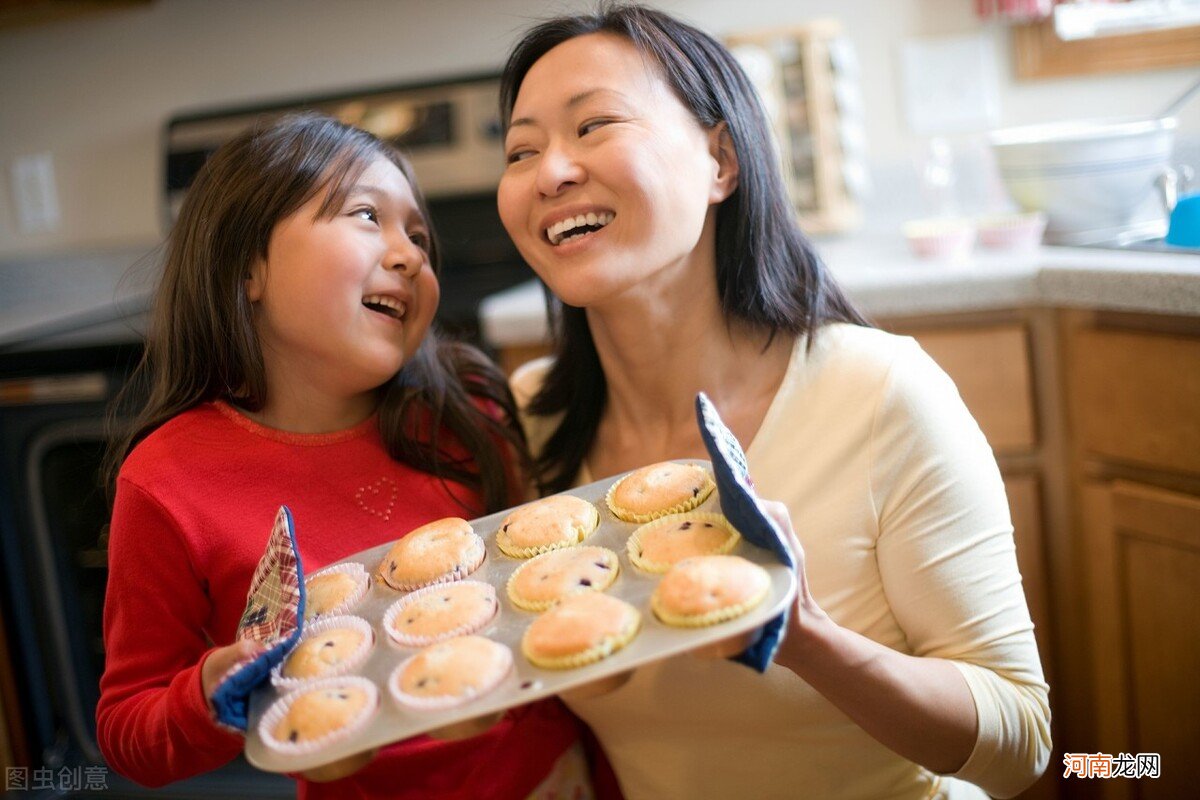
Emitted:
<point x="223" y="659"/>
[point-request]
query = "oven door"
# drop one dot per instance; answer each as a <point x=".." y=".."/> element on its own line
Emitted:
<point x="53" y="525"/>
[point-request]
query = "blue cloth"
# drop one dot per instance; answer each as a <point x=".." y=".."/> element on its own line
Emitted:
<point x="274" y="616"/>
<point x="739" y="504"/>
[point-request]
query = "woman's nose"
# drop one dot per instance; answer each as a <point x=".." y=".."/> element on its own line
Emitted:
<point x="558" y="170"/>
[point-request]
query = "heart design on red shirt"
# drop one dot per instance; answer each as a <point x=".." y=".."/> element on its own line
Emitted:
<point x="378" y="498"/>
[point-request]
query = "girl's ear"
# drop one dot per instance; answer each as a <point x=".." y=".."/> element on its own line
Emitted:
<point x="720" y="147"/>
<point x="255" y="280"/>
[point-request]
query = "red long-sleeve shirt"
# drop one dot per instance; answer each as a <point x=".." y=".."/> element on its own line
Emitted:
<point x="194" y="506"/>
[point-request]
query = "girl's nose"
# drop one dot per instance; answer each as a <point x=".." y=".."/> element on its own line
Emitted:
<point x="404" y="256"/>
<point x="557" y="171"/>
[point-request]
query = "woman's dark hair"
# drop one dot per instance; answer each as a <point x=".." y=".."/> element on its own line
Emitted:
<point x="437" y="414"/>
<point x="768" y="275"/>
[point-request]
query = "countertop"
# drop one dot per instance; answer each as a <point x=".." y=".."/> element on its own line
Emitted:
<point x="885" y="280"/>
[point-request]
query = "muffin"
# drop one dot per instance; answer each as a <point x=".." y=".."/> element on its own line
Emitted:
<point x="581" y="629"/>
<point x="335" y="590"/>
<point x="658" y="491"/>
<point x="331" y="646"/>
<point x="318" y="714"/>
<point x="706" y="590"/>
<point x="659" y="545"/>
<point x="440" y="612"/>
<point x="538" y="584"/>
<point x="450" y="673"/>
<point x="440" y="552"/>
<point x="547" y="524"/>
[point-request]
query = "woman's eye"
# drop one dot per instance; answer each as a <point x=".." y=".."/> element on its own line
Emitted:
<point x="367" y="213"/>
<point x="592" y="125"/>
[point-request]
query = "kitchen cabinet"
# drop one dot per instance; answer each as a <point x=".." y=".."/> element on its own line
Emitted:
<point x="1133" y="390"/>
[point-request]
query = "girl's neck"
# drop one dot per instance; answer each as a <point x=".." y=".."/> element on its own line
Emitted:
<point x="310" y="412"/>
<point x="657" y="353"/>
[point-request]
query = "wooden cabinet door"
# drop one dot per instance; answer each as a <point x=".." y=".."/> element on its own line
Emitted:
<point x="1144" y="592"/>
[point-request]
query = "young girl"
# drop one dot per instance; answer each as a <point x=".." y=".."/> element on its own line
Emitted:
<point x="290" y="361"/>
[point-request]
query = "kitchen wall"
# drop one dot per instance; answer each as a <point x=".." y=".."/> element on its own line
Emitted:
<point x="95" y="91"/>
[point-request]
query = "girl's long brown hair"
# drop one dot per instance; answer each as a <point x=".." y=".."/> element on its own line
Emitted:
<point x="201" y="344"/>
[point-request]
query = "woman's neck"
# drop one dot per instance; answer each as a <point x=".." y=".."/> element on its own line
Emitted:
<point x="657" y="352"/>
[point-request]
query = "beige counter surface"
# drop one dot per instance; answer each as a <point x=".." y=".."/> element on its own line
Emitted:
<point x="885" y="280"/>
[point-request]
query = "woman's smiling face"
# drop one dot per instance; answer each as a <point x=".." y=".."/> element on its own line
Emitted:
<point x="610" y="178"/>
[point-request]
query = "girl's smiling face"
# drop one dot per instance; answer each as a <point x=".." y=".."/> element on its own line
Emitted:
<point x="610" y="178"/>
<point x="342" y="301"/>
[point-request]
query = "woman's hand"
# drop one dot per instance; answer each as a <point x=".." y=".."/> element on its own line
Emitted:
<point x="222" y="660"/>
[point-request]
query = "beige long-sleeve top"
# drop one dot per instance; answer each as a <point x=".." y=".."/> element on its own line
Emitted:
<point x="897" y="500"/>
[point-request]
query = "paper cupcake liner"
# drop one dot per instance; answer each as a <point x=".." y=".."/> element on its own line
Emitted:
<point x="318" y="627"/>
<point x="445" y="701"/>
<point x="541" y="605"/>
<point x="708" y="618"/>
<point x="460" y="571"/>
<point x="278" y="711"/>
<point x="362" y="579"/>
<point x="679" y="508"/>
<point x="581" y="534"/>
<point x="424" y="641"/>
<point x="633" y="545"/>
<point x="603" y="649"/>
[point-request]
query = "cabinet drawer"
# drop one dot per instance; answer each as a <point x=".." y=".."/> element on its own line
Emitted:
<point x="1137" y="397"/>
<point x="990" y="366"/>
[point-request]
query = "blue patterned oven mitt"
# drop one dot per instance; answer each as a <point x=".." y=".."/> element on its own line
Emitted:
<point x="738" y="504"/>
<point x="274" y="617"/>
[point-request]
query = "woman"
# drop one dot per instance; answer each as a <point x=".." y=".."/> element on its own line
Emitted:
<point x="642" y="188"/>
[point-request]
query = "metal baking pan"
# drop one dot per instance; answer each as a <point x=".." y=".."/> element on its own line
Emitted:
<point x="525" y="683"/>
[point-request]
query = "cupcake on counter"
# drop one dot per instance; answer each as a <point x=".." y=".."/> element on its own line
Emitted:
<point x="335" y="590"/>
<point x="706" y="590"/>
<point x="581" y="629"/>
<point x="659" y="490"/>
<point x="540" y="583"/>
<point x="331" y="646"/>
<point x="440" y="552"/>
<point x="547" y="524"/>
<point x="319" y="714"/>
<point x="440" y="612"/>
<point x="450" y="673"/>
<point x="657" y="546"/>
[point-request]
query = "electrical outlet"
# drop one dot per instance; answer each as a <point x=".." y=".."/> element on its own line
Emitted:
<point x="950" y="84"/>
<point x="34" y="194"/>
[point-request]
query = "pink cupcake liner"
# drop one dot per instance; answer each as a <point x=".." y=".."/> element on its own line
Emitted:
<point x="279" y="710"/>
<point x="436" y="703"/>
<point x="316" y="628"/>
<point x="424" y="641"/>
<point x="362" y="579"/>
<point x="460" y="571"/>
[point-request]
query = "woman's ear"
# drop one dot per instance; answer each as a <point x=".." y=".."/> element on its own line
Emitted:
<point x="255" y="280"/>
<point x="720" y="147"/>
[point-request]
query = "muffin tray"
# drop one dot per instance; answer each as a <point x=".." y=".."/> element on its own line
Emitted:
<point x="525" y="682"/>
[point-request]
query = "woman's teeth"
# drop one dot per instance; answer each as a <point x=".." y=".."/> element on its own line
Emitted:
<point x="389" y="306"/>
<point x="574" y="227"/>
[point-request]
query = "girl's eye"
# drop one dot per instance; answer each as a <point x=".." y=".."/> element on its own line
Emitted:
<point x="420" y="239"/>
<point x="367" y="213"/>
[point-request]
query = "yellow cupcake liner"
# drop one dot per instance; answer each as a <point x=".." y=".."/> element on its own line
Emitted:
<point x="679" y="508"/>
<point x="541" y="605"/>
<point x="633" y="545"/>
<point x="349" y="664"/>
<point x="362" y="580"/>
<point x="404" y="640"/>
<point x="710" y="618"/>
<point x="447" y="701"/>
<point x="276" y="713"/>
<point x="472" y="559"/>
<point x="581" y="533"/>
<point x="603" y="649"/>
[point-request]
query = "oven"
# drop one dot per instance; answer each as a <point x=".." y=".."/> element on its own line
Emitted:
<point x="53" y="527"/>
